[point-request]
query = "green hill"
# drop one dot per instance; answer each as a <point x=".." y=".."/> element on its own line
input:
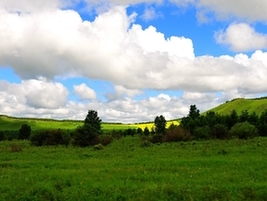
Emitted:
<point x="240" y="104"/>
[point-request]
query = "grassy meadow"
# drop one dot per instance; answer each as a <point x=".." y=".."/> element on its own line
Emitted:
<point x="124" y="170"/>
<point x="12" y="123"/>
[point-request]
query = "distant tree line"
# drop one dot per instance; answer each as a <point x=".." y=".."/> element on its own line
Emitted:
<point x="194" y="126"/>
<point x="214" y="125"/>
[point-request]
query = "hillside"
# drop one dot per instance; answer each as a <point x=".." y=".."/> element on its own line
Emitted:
<point x="240" y="104"/>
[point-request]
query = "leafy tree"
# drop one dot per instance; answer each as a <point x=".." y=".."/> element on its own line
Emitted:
<point x="139" y="131"/>
<point x="160" y="124"/>
<point x="232" y="119"/>
<point x="193" y="112"/>
<point x="202" y="132"/>
<point x="86" y="135"/>
<point x="93" y="122"/>
<point x="253" y="119"/>
<point x="192" y="120"/>
<point x="24" y="132"/>
<point x="244" y="130"/>
<point x="244" y="116"/>
<point x="146" y="131"/>
<point x="220" y="131"/>
<point x="262" y="126"/>
<point x="2" y="136"/>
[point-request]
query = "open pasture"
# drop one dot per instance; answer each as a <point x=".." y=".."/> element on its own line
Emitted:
<point x="124" y="170"/>
<point x="11" y="123"/>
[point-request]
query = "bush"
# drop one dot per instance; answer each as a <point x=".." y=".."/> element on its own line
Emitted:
<point x="157" y="138"/>
<point x="2" y="136"/>
<point x="203" y="132"/>
<point x="104" y="139"/>
<point x="99" y="147"/>
<point x="244" y="130"/>
<point x="220" y="131"/>
<point x="84" y="136"/>
<point x="50" y="137"/>
<point x="177" y="133"/>
<point x="10" y="135"/>
<point x="15" y="148"/>
<point x="24" y="132"/>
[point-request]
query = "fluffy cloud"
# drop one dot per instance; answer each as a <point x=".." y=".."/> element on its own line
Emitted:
<point x="61" y="44"/>
<point x="241" y="37"/>
<point x="249" y="10"/>
<point x="150" y="14"/>
<point x="33" y="93"/>
<point x="28" y="100"/>
<point x="84" y="92"/>
<point x="122" y="92"/>
<point x="58" y="43"/>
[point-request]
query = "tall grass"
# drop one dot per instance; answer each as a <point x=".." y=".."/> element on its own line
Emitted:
<point x="201" y="170"/>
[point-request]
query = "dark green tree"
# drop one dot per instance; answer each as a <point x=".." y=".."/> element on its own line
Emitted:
<point x="232" y="119"/>
<point x="244" y="116"/>
<point x="193" y="112"/>
<point x="86" y="135"/>
<point x="24" y="132"/>
<point x="93" y="122"/>
<point x="192" y="120"/>
<point x="139" y="131"/>
<point x="2" y="136"/>
<point x="220" y="131"/>
<point x="146" y="131"/>
<point x="262" y="126"/>
<point x="160" y="124"/>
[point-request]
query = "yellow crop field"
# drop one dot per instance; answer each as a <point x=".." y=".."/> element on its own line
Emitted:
<point x="151" y="125"/>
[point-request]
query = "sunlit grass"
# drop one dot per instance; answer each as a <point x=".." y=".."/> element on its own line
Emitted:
<point x="204" y="170"/>
<point x="8" y="123"/>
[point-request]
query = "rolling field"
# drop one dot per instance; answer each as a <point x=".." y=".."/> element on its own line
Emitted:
<point x="196" y="170"/>
<point x="11" y="123"/>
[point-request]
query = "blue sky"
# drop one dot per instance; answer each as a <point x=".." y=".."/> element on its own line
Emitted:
<point x="129" y="60"/>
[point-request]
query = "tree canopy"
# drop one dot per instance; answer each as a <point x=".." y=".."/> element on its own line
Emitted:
<point x="160" y="124"/>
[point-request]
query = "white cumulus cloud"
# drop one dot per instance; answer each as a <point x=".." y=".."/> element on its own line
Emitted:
<point x="84" y="92"/>
<point x="241" y="37"/>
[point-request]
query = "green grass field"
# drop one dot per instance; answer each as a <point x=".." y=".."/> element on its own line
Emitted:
<point x="201" y="170"/>
<point x="11" y="123"/>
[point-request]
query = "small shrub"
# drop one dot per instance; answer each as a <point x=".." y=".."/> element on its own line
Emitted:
<point x="99" y="147"/>
<point x="50" y="137"/>
<point x="220" y="131"/>
<point x="157" y="138"/>
<point x="15" y="148"/>
<point x="84" y="136"/>
<point x="24" y="132"/>
<point x="10" y="135"/>
<point x="177" y="133"/>
<point x="203" y="132"/>
<point x="244" y="130"/>
<point x="146" y="143"/>
<point x="104" y="139"/>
